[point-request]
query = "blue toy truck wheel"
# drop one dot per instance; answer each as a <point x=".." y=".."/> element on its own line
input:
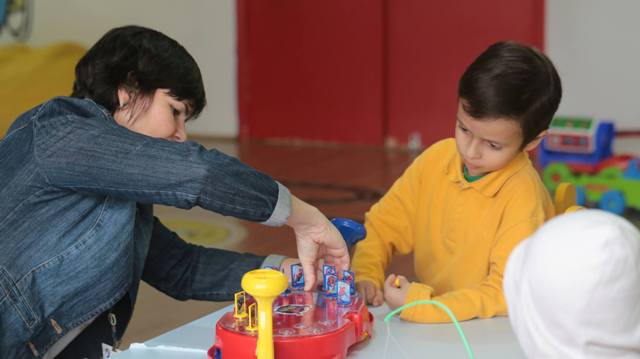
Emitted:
<point x="612" y="201"/>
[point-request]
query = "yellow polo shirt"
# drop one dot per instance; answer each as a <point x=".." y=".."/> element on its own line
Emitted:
<point x="461" y="233"/>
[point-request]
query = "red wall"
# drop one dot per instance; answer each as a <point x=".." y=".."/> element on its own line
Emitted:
<point x="362" y="71"/>
<point x="430" y="43"/>
<point x="311" y="69"/>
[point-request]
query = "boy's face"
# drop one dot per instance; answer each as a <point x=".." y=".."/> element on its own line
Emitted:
<point x="486" y="145"/>
<point x="161" y="117"/>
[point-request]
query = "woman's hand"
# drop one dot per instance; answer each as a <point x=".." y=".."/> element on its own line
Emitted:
<point x="316" y="239"/>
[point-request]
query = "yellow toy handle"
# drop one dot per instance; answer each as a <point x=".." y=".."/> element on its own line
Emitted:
<point x="264" y="285"/>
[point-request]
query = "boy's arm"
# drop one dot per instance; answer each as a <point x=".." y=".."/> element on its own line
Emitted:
<point x="389" y="226"/>
<point x="484" y="300"/>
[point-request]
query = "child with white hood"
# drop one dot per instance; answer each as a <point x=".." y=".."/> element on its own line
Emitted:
<point x="573" y="288"/>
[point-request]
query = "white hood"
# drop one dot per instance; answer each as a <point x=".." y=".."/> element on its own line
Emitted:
<point x="573" y="288"/>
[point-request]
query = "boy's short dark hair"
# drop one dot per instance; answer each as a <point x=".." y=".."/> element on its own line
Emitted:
<point x="141" y="60"/>
<point x="510" y="80"/>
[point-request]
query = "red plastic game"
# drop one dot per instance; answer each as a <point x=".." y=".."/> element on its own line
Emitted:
<point x="305" y="325"/>
<point x="311" y="325"/>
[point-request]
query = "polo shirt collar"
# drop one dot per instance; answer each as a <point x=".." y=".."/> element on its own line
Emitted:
<point x="491" y="183"/>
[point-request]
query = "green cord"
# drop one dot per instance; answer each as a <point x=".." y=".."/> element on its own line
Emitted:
<point x="441" y="306"/>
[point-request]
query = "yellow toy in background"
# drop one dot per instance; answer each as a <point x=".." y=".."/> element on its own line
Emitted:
<point x="30" y="76"/>
<point x="264" y="285"/>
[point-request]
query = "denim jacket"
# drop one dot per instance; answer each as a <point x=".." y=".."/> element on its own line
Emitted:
<point x="77" y="230"/>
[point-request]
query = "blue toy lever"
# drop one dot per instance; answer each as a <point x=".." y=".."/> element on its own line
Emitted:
<point x="351" y="231"/>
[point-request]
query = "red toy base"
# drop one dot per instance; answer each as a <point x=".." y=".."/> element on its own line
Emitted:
<point x="305" y="325"/>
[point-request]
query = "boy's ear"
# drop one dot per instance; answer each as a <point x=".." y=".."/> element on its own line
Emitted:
<point x="535" y="142"/>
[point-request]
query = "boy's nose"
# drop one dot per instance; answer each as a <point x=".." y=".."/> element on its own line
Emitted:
<point x="473" y="150"/>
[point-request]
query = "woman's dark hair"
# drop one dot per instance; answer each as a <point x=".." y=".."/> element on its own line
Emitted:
<point x="510" y="80"/>
<point x="140" y="60"/>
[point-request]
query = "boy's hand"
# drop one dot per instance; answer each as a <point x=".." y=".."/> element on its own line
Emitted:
<point x="370" y="293"/>
<point x="395" y="290"/>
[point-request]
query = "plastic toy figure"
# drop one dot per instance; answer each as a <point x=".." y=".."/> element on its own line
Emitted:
<point x="330" y="287"/>
<point x="344" y="293"/>
<point x="297" y="276"/>
<point x="349" y="277"/>
<point x="328" y="269"/>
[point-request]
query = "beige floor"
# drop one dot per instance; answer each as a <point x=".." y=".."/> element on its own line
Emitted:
<point x="371" y="168"/>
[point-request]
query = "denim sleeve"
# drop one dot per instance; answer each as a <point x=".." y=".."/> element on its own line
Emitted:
<point x="94" y="155"/>
<point x="187" y="271"/>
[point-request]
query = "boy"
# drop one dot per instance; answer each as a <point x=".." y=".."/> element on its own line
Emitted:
<point x="573" y="288"/>
<point x="464" y="204"/>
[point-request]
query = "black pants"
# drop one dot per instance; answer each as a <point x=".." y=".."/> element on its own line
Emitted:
<point x="89" y="343"/>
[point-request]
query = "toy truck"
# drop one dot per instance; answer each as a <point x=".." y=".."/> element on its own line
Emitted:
<point x="578" y="150"/>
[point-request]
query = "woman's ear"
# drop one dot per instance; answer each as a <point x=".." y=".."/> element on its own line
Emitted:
<point x="123" y="97"/>
<point x="122" y="114"/>
<point x="535" y="142"/>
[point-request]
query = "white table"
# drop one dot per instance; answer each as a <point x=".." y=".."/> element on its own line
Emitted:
<point x="489" y="338"/>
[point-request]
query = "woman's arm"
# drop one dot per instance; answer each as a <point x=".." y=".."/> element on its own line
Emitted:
<point x="187" y="271"/>
<point x="90" y="153"/>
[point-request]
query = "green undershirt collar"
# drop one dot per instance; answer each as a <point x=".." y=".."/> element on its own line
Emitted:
<point x="469" y="177"/>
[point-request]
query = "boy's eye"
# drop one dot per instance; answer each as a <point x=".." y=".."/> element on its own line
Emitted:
<point x="463" y="129"/>
<point x="494" y="146"/>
